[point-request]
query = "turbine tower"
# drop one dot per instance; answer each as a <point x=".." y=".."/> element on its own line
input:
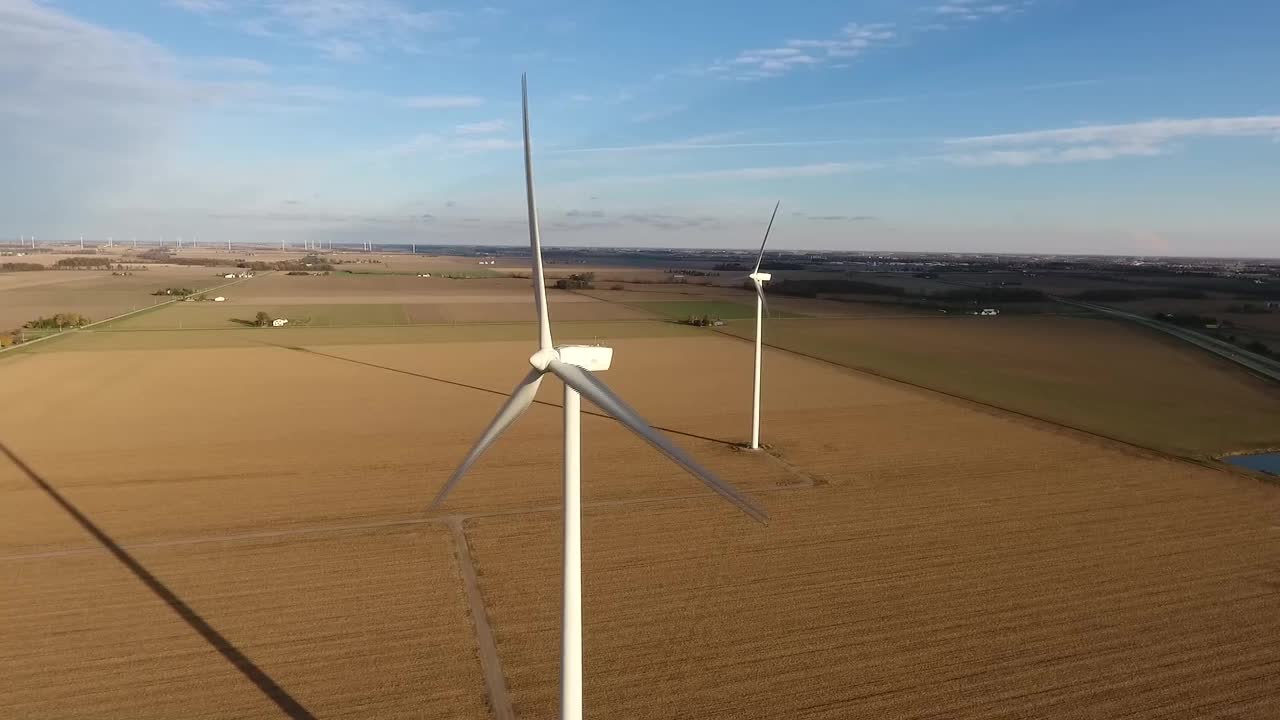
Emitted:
<point x="574" y="365"/>
<point x="759" y="279"/>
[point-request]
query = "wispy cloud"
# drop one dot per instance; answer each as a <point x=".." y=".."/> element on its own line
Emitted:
<point x="660" y="113"/>
<point x="774" y="172"/>
<point x="228" y="66"/>
<point x="343" y="30"/>
<point x="970" y="92"/>
<point x="852" y="40"/>
<point x="81" y="102"/>
<point x="486" y="127"/>
<point x="841" y="218"/>
<point x="442" y="102"/>
<point x="425" y="143"/>
<point x="1102" y="142"/>
<point x="706" y="142"/>
<point x="201" y="7"/>
<point x="484" y="144"/>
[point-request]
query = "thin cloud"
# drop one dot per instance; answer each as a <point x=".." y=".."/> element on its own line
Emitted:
<point x="229" y="65"/>
<point x="686" y="145"/>
<point x="1148" y="132"/>
<point x="894" y="99"/>
<point x="853" y="40"/>
<point x="486" y="127"/>
<point x="443" y="102"/>
<point x="656" y="114"/>
<point x="201" y="7"/>
<point x="769" y="173"/>
<point x="342" y="30"/>
<point x="1102" y="142"/>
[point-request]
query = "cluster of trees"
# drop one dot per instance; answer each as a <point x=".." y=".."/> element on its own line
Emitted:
<point x="58" y="321"/>
<point x="262" y="319"/>
<point x="577" y="281"/>
<point x="700" y="321"/>
<point x="1197" y="321"/>
<point x="81" y="262"/>
<point x="691" y="272"/>
<point x="180" y="292"/>
<point x="163" y="255"/>
<point x="308" y="263"/>
<point x="20" y="267"/>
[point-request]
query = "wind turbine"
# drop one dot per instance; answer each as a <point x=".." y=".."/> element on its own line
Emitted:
<point x="574" y="365"/>
<point x="759" y="279"/>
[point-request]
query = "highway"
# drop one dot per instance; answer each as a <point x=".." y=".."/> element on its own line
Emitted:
<point x="1257" y="363"/>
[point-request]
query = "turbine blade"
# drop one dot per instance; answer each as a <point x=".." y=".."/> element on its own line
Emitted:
<point x="766" y="236"/>
<point x="763" y="302"/>
<point x="520" y="400"/>
<point x="535" y="241"/>
<point x="597" y="392"/>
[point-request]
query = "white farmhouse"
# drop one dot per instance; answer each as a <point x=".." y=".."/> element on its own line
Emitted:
<point x="279" y="322"/>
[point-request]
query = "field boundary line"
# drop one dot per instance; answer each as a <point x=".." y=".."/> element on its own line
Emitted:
<point x="490" y="663"/>
<point x="381" y="524"/>
<point x="1128" y="445"/>
<point x="149" y="308"/>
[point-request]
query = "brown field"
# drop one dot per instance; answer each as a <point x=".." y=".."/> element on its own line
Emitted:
<point x="927" y="558"/>
<point x="92" y="293"/>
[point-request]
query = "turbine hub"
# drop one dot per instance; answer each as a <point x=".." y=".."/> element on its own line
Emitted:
<point x="542" y="359"/>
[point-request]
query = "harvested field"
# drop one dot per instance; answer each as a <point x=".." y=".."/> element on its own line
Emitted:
<point x="725" y="310"/>
<point x="1093" y="374"/>
<point x="93" y="293"/>
<point x="926" y="558"/>
<point x="344" y="624"/>
<point x="240" y="337"/>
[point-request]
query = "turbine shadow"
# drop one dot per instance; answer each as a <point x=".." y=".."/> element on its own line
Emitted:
<point x="252" y="672"/>
<point x="491" y="391"/>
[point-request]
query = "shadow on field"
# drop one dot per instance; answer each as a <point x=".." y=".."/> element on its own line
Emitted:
<point x="491" y="391"/>
<point x="252" y="672"/>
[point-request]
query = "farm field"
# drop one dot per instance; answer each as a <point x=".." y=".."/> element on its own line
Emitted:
<point x="95" y="294"/>
<point x="726" y="310"/>
<point x="926" y="557"/>
<point x="1092" y="374"/>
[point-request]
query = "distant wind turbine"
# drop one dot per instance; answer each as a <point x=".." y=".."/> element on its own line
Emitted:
<point x="574" y="365"/>
<point x="759" y="279"/>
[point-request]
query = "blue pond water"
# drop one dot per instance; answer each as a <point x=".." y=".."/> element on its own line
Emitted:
<point x="1266" y="462"/>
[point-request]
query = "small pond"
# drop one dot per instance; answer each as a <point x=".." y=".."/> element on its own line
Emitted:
<point x="1266" y="462"/>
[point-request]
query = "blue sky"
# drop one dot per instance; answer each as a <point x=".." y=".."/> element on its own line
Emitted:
<point x="988" y="125"/>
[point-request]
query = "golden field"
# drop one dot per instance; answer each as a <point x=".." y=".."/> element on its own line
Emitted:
<point x="232" y="523"/>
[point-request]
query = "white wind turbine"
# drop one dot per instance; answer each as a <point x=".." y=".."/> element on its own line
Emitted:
<point x="574" y="365"/>
<point x="759" y="279"/>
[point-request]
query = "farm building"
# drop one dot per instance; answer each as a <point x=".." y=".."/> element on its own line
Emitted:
<point x="988" y="312"/>
<point x="219" y="299"/>
<point x="279" y="322"/>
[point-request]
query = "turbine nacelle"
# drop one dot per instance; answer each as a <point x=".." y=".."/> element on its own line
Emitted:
<point x="594" y="358"/>
<point x="760" y="277"/>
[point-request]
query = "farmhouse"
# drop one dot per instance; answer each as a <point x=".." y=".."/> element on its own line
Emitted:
<point x="279" y="322"/>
